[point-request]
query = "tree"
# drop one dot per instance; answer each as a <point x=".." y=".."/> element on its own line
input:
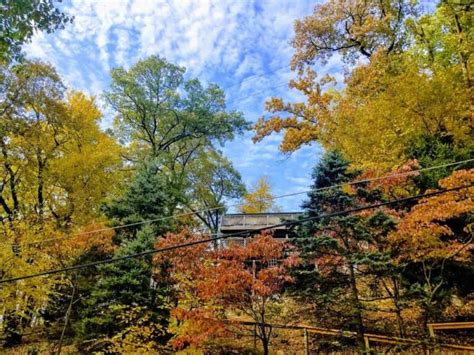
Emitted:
<point x="385" y="106"/>
<point x="387" y="102"/>
<point x="159" y="112"/>
<point x="259" y="200"/>
<point x="216" y="284"/>
<point x="434" y="241"/>
<point x="339" y="254"/>
<point x="123" y="286"/>
<point x="352" y="28"/>
<point x="68" y="297"/>
<point x="212" y="182"/>
<point x="431" y="229"/>
<point x="21" y="302"/>
<point x="126" y="283"/>
<point x="146" y="198"/>
<point x="162" y="116"/>
<point x="434" y="151"/>
<point x="49" y="179"/>
<point x="141" y="332"/>
<point x="21" y="19"/>
<point x="443" y="38"/>
<point x="47" y="139"/>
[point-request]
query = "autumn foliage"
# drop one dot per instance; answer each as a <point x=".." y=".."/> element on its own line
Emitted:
<point x="439" y="226"/>
<point x="106" y="228"/>
<point x="213" y="284"/>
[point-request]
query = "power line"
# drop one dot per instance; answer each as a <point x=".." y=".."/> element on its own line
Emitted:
<point x="175" y="216"/>
<point x="242" y="233"/>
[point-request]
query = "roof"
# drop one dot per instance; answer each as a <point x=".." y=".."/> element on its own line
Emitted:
<point x="248" y="221"/>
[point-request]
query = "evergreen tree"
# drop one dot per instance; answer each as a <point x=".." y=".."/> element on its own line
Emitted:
<point x="128" y="283"/>
<point x="147" y="198"/>
<point x="437" y="150"/>
<point x="336" y="251"/>
<point x="124" y="283"/>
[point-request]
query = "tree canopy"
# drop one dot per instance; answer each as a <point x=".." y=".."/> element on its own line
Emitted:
<point x="110" y="238"/>
<point x="21" y="19"/>
<point x="388" y="100"/>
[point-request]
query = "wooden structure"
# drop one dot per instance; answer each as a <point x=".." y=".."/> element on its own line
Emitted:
<point x="376" y="338"/>
<point x="445" y="326"/>
<point x="242" y="222"/>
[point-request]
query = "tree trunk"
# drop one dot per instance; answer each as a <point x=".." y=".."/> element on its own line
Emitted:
<point x="66" y="320"/>
<point x="40" y="193"/>
<point x="358" y="310"/>
<point x="398" y="309"/>
<point x="266" y="350"/>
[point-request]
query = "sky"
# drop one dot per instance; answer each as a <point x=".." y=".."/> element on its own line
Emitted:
<point x="243" y="46"/>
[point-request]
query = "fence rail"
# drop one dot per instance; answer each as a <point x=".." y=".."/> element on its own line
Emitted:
<point x="374" y="338"/>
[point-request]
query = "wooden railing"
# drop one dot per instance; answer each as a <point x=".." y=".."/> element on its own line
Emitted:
<point x="444" y="326"/>
<point x="376" y="338"/>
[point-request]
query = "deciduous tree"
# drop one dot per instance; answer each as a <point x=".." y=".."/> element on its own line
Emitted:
<point x="387" y="102"/>
<point x="260" y="199"/>
<point x="160" y="112"/>
<point x="215" y="284"/>
<point x="351" y="28"/>
<point x="21" y="19"/>
<point x="212" y="181"/>
<point x="433" y="240"/>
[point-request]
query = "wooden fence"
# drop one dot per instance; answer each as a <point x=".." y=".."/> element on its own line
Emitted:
<point x="378" y="338"/>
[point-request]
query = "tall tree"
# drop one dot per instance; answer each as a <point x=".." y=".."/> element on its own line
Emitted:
<point x="56" y="166"/>
<point x="260" y="199"/>
<point x="386" y="103"/>
<point x="21" y="19"/>
<point x="47" y="166"/>
<point x="162" y="116"/>
<point x="352" y="28"/>
<point x="161" y="112"/>
<point x="126" y="283"/>
<point x="338" y="252"/>
<point x="213" y="181"/>
<point x="123" y="286"/>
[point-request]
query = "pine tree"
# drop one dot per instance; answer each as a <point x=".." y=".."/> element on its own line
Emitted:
<point x="124" y="283"/>
<point x="147" y="198"/>
<point x="335" y="251"/>
<point x="129" y="283"/>
<point x="437" y="150"/>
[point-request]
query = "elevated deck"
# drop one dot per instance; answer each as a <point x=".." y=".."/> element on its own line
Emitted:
<point x="239" y="222"/>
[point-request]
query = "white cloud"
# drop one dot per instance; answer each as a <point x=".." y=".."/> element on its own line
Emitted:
<point x="241" y="45"/>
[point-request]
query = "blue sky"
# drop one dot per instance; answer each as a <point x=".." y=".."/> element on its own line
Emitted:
<point x="241" y="45"/>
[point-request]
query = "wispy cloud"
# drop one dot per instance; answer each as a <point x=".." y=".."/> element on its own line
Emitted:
<point x="241" y="45"/>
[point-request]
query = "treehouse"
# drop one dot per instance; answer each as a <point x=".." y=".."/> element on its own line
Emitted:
<point x="235" y="224"/>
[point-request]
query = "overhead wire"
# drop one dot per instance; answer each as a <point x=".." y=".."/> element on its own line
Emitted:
<point x="242" y="233"/>
<point x="179" y="215"/>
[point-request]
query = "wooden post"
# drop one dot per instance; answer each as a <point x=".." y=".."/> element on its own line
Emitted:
<point x="306" y="342"/>
<point x="433" y="337"/>
<point x="431" y="331"/>
<point x="367" y="344"/>
<point x="255" y="336"/>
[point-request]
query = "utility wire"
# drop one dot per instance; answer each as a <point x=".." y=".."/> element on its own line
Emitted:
<point x="242" y="233"/>
<point x="386" y="177"/>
